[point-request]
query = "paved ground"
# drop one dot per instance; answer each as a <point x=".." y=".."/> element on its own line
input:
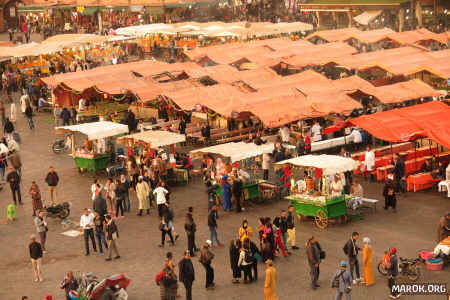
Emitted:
<point x="411" y="229"/>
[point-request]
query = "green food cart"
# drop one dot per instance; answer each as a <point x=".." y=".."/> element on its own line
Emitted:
<point x="321" y="212"/>
<point x="249" y="190"/>
<point x="318" y="204"/>
<point x="96" y="159"/>
<point x="92" y="164"/>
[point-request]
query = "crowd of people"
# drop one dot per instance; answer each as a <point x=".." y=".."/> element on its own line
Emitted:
<point x="142" y="185"/>
<point x="144" y="178"/>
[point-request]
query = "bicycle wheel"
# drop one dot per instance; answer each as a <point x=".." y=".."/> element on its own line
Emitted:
<point x="414" y="273"/>
<point x="381" y="269"/>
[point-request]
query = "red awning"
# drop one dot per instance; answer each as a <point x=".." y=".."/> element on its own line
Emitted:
<point x="429" y="120"/>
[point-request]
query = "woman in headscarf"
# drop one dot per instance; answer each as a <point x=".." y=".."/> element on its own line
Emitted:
<point x="270" y="290"/>
<point x="367" y="262"/>
<point x="36" y="197"/>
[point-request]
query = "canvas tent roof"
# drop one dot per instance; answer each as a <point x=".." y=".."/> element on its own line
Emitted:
<point x="403" y="91"/>
<point x="415" y="36"/>
<point x="367" y="16"/>
<point x="156" y="138"/>
<point x="95" y="130"/>
<point x="235" y="151"/>
<point x="53" y="44"/>
<point x="334" y="35"/>
<point x="372" y="36"/>
<point x="400" y="125"/>
<point x="216" y="29"/>
<point x="330" y="164"/>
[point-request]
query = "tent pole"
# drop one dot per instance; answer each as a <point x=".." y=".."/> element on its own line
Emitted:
<point x="415" y="156"/>
<point x="431" y="150"/>
<point x="73" y="144"/>
<point x="392" y="152"/>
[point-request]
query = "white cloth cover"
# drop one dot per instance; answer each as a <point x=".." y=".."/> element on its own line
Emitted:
<point x="97" y="130"/>
<point x="157" y="138"/>
<point x="236" y="151"/>
<point x="330" y="164"/>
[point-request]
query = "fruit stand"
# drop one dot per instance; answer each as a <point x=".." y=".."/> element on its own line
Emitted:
<point x="94" y="157"/>
<point x="317" y="203"/>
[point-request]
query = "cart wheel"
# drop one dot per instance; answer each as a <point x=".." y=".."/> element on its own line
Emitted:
<point x="321" y="219"/>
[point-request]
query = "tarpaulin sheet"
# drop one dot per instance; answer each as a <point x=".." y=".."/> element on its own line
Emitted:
<point x="156" y="138"/>
<point x="400" y="125"/>
<point x="402" y="91"/>
<point x="96" y="130"/>
<point x="372" y="36"/>
<point x="367" y="16"/>
<point x="330" y="164"/>
<point x="316" y="55"/>
<point x="334" y="35"/>
<point x="415" y="36"/>
<point x="235" y="151"/>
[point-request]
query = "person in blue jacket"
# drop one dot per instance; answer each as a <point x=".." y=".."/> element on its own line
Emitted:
<point x="226" y="193"/>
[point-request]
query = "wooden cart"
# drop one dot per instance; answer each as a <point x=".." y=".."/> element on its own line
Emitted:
<point x="95" y="164"/>
<point x="321" y="212"/>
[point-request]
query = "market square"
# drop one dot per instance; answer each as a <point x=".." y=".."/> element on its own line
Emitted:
<point x="286" y="152"/>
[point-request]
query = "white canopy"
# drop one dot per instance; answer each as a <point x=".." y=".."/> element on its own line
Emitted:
<point x="157" y="138"/>
<point x="236" y="151"/>
<point x="330" y="164"/>
<point x="96" y="130"/>
<point x="215" y="29"/>
<point x="366" y="17"/>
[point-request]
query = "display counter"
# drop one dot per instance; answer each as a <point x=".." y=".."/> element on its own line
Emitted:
<point x="319" y="207"/>
<point x="91" y="162"/>
<point x="249" y="190"/>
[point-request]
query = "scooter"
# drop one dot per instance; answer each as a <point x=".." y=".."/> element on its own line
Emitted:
<point x="62" y="145"/>
<point x="61" y="211"/>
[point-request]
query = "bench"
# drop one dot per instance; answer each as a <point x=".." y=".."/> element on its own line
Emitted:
<point x="370" y="203"/>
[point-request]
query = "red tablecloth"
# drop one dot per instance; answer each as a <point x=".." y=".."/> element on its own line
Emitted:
<point x="420" y="181"/>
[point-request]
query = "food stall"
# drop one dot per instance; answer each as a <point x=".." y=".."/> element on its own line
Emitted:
<point x="93" y="156"/>
<point x="311" y="197"/>
<point x="155" y="139"/>
<point x="239" y="152"/>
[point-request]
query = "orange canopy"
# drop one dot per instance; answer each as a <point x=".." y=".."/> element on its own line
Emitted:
<point x="415" y="36"/>
<point x="399" y="125"/>
<point x="402" y="91"/>
<point x="334" y="35"/>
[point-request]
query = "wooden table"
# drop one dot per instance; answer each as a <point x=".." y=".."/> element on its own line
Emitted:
<point x="420" y="181"/>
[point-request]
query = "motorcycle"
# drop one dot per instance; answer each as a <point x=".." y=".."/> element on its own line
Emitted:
<point x="406" y="267"/>
<point x="61" y="211"/>
<point x="62" y="145"/>
<point x="90" y="288"/>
